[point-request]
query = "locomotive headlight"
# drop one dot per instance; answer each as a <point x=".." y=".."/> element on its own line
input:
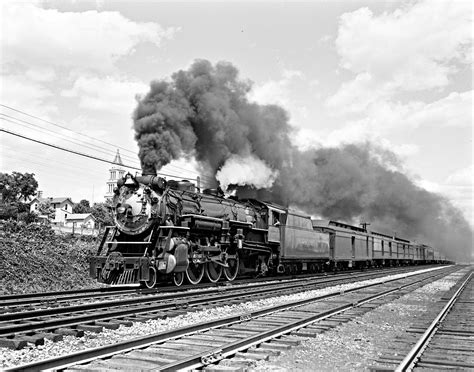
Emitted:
<point x="121" y="210"/>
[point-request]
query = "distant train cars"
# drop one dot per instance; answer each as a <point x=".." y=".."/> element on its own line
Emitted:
<point x="171" y="231"/>
<point x="352" y="246"/>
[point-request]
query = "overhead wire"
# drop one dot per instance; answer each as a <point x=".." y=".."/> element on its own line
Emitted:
<point x="50" y="132"/>
<point x="97" y="148"/>
<point x="210" y="178"/>
<point x="80" y="153"/>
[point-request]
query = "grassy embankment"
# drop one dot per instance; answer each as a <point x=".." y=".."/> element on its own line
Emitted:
<point x="34" y="259"/>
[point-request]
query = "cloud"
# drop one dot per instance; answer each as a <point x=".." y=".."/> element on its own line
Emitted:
<point x="279" y="92"/>
<point x="357" y="133"/>
<point x="86" y="40"/>
<point x="455" y="110"/>
<point x="413" y="48"/>
<point x="384" y="116"/>
<point x="19" y="91"/>
<point x="458" y="187"/>
<point x="276" y="91"/>
<point x="111" y="93"/>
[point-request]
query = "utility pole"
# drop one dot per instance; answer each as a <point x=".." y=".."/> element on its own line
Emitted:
<point x="364" y="225"/>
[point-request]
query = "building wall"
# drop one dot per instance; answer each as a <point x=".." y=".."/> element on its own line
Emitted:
<point x="63" y="209"/>
<point x="88" y="222"/>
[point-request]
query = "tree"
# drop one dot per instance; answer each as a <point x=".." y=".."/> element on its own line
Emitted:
<point x="17" y="187"/>
<point x="82" y="207"/>
<point x="103" y="213"/>
<point x="46" y="209"/>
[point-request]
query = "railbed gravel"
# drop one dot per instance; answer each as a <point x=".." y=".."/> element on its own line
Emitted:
<point x="357" y="345"/>
<point x="70" y="344"/>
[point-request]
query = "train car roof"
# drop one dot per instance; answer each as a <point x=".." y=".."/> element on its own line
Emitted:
<point x="335" y="225"/>
<point x="391" y="237"/>
<point x="276" y="207"/>
<point x="330" y="224"/>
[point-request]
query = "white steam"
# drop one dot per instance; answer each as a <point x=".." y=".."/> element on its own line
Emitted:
<point x="250" y="171"/>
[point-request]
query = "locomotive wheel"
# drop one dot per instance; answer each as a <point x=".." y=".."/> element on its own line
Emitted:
<point x="231" y="272"/>
<point x="213" y="271"/>
<point x="153" y="276"/>
<point x="178" y="279"/>
<point x="195" y="272"/>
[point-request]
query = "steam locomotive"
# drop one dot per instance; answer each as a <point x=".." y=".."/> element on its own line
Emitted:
<point x="170" y="231"/>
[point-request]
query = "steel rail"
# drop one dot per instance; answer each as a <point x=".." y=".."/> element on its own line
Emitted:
<point x="54" y="298"/>
<point x="414" y="354"/>
<point x="44" y="297"/>
<point x="217" y="354"/>
<point x="147" y="306"/>
<point x="260" y="288"/>
<point x="86" y="356"/>
<point x="60" y="293"/>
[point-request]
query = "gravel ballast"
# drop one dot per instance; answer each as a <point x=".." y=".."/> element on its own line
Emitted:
<point x="356" y="345"/>
<point x="357" y="342"/>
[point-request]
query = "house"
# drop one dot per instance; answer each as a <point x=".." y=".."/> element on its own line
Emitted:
<point x="84" y="220"/>
<point x="62" y="206"/>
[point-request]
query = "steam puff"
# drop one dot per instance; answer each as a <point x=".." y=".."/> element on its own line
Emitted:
<point x="249" y="171"/>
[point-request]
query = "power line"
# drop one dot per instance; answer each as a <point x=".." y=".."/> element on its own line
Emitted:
<point x="210" y="178"/>
<point x="45" y="130"/>
<point x="63" y="148"/>
<point x="63" y="127"/>
<point x="77" y="152"/>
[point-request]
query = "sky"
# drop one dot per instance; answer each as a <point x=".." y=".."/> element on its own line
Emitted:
<point x="396" y="73"/>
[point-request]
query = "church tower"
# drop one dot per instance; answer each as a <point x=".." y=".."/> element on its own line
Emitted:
<point x="115" y="173"/>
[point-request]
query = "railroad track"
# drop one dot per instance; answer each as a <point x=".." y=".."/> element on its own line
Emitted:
<point x="34" y="326"/>
<point x="243" y="338"/>
<point x="442" y="339"/>
<point x="27" y="301"/>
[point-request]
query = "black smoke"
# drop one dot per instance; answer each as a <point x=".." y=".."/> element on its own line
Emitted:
<point x="204" y="112"/>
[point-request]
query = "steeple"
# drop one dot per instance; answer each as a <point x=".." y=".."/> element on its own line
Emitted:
<point x="116" y="172"/>
<point x="118" y="159"/>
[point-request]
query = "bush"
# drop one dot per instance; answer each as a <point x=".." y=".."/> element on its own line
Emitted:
<point x="35" y="259"/>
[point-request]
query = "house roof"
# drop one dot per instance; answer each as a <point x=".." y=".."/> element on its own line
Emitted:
<point x="78" y="216"/>
<point x="53" y="200"/>
<point x="60" y="200"/>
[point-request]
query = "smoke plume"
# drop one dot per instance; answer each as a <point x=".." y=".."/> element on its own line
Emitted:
<point x="204" y="112"/>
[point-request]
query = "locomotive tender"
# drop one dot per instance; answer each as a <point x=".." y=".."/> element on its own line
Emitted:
<point x="170" y="231"/>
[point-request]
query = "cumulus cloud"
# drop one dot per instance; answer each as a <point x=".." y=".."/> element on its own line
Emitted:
<point x="458" y="188"/>
<point x="279" y="92"/>
<point x="93" y="40"/>
<point x="276" y="91"/>
<point x="454" y="110"/>
<point x="412" y="48"/>
<point x="17" y="90"/>
<point x="47" y="54"/>
<point x="111" y="94"/>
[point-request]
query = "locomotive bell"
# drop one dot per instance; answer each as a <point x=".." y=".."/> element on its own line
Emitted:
<point x="129" y="181"/>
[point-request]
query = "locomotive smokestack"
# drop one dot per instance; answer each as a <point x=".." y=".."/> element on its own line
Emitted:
<point x="148" y="171"/>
